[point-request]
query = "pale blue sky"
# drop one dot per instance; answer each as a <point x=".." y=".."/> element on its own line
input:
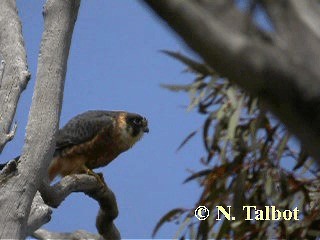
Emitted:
<point x="115" y="64"/>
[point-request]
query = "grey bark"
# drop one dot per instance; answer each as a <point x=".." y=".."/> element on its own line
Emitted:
<point x="280" y="67"/>
<point x="40" y="214"/>
<point x="14" y="73"/>
<point x="15" y="206"/>
<point x="54" y="195"/>
<point x="79" y="234"/>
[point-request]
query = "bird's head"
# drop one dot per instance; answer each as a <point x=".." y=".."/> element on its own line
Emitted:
<point x="136" y="124"/>
<point x="132" y="127"/>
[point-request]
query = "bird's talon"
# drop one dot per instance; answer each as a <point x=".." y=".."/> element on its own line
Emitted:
<point x="98" y="176"/>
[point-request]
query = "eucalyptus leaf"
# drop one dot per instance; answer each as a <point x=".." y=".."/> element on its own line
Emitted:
<point x="232" y="96"/>
<point x="192" y="64"/>
<point x="282" y="145"/>
<point x="191" y="135"/>
<point x="167" y="218"/>
<point x="234" y="119"/>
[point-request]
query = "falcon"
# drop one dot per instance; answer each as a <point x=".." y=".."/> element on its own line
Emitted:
<point x="93" y="139"/>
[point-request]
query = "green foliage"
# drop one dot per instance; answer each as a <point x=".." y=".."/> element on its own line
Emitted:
<point x="245" y="163"/>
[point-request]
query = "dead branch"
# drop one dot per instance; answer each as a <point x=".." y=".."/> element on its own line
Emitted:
<point x="15" y="206"/>
<point x="79" y="234"/>
<point x="55" y="195"/>
<point x="14" y="73"/>
<point x="40" y="214"/>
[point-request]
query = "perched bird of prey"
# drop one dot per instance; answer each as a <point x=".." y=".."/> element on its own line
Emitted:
<point x="93" y="139"/>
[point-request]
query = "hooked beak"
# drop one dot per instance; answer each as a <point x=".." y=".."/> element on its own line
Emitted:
<point x="145" y="125"/>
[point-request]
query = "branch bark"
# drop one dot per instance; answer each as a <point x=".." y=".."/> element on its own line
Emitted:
<point x="292" y="20"/>
<point x="288" y="85"/>
<point x="55" y="195"/>
<point x="60" y="17"/>
<point x="14" y="75"/>
<point x="40" y="214"/>
<point x="79" y="234"/>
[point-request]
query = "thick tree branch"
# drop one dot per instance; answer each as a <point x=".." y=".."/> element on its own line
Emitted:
<point x="40" y="214"/>
<point x="309" y="13"/>
<point x="107" y="213"/>
<point x="298" y="28"/>
<point x="2" y="65"/>
<point x="288" y="86"/>
<point x="227" y="12"/>
<point x="80" y="234"/>
<point x="14" y="75"/>
<point x="15" y="206"/>
<point x="54" y="195"/>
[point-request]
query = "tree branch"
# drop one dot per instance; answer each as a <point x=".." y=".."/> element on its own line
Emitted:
<point x="107" y="213"/>
<point x="79" y="234"/>
<point x="292" y="20"/>
<point x="286" y="83"/>
<point x="2" y="65"/>
<point x="309" y="13"/>
<point x="14" y="75"/>
<point x="40" y="214"/>
<point x="236" y="20"/>
<point x="15" y="206"/>
<point x="54" y="196"/>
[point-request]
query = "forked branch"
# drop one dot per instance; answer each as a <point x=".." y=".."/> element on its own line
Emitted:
<point x="54" y="196"/>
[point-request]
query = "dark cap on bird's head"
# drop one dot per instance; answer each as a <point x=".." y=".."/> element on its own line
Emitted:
<point x="138" y="123"/>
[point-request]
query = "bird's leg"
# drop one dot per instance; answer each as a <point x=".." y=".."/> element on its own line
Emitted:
<point x="99" y="177"/>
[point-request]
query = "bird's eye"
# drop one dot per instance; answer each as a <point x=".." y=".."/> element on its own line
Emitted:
<point x="137" y="121"/>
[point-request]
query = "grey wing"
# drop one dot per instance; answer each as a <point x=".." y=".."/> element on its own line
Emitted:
<point x="82" y="128"/>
